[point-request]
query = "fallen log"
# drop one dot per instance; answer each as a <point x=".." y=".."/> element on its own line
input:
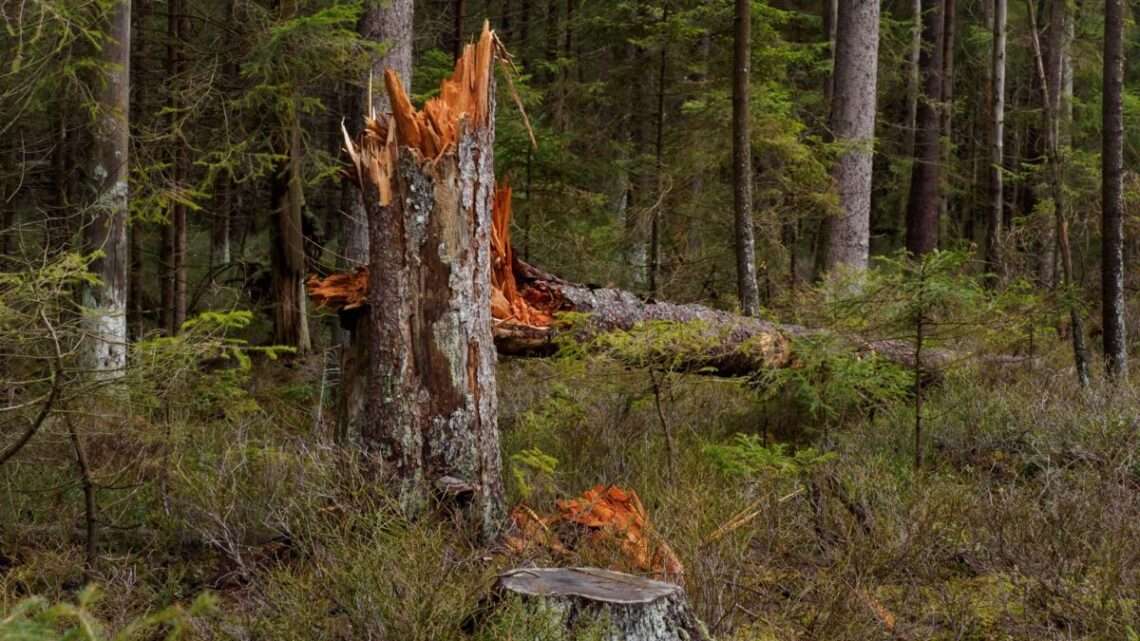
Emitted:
<point x="614" y="605"/>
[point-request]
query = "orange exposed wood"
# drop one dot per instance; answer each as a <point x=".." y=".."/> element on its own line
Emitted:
<point x="610" y="516"/>
<point x="435" y="130"/>
<point x="432" y="132"/>
<point x="509" y="305"/>
<point x="342" y="292"/>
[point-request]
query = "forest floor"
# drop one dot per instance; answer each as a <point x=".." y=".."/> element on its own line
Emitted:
<point x="1023" y="523"/>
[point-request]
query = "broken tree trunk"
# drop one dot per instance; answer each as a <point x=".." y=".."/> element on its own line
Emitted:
<point x="622" y="606"/>
<point x="428" y="183"/>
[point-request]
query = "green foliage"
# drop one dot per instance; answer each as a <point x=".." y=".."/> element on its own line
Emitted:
<point x="532" y="467"/>
<point x="746" y="456"/>
<point x="830" y="382"/>
<point x="535" y="620"/>
<point x="204" y="366"/>
<point x="34" y="619"/>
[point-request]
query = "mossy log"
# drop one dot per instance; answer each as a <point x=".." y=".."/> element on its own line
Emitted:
<point x="612" y="605"/>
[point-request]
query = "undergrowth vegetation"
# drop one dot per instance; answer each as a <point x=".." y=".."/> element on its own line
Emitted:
<point x="791" y="498"/>
<point x="1020" y="526"/>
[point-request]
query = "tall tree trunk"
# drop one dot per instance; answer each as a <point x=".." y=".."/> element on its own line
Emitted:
<point x="913" y="90"/>
<point x="1112" y="157"/>
<point x="923" y="203"/>
<point x="639" y="192"/>
<point x="830" y="10"/>
<point x="1056" y="185"/>
<point x="746" y="288"/>
<point x="506" y="15"/>
<point x="853" y="125"/>
<point x="139" y="94"/>
<point x="172" y="254"/>
<point x="997" y="142"/>
<point x="179" y="253"/>
<point x="459" y="10"/>
<point x="106" y="324"/>
<point x="948" y="41"/>
<point x="658" y="214"/>
<point x="524" y="33"/>
<point x="432" y="414"/>
<point x="290" y="320"/>
<point x="389" y="23"/>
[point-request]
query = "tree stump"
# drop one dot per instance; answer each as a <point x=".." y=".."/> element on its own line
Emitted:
<point x="627" y="607"/>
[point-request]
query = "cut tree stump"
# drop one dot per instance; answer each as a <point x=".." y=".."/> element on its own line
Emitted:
<point x="627" y="607"/>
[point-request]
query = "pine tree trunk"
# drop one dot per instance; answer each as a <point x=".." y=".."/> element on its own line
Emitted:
<point x="432" y="402"/>
<point x="1112" y="157"/>
<point x="658" y="214"/>
<point x="747" y="290"/>
<point x="391" y="24"/>
<point x="135" y="289"/>
<point x="853" y="125"/>
<point x="997" y="143"/>
<point x="923" y="203"/>
<point x="459" y="14"/>
<point x="1056" y="185"/>
<point x="176" y="28"/>
<point x="106" y="323"/>
<point x="948" y="41"/>
<point x="914" y="88"/>
<point x="290" y="320"/>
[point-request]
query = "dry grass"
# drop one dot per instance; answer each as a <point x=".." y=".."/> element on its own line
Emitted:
<point x="1024" y="525"/>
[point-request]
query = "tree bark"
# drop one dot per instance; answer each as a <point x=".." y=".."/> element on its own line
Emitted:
<point x="460" y="14"/>
<point x="747" y="289"/>
<point x="853" y="125"/>
<point x="176" y="19"/>
<point x="139" y="93"/>
<point x="914" y="88"/>
<point x="428" y="182"/>
<point x="1112" y="157"/>
<point x="1056" y="186"/>
<point x="997" y="143"/>
<point x="923" y="203"/>
<point x="949" y="36"/>
<point x="106" y="324"/>
<point x="658" y="215"/>
<point x="290" y="321"/>
<point x="830" y="9"/>
<point x="389" y="23"/>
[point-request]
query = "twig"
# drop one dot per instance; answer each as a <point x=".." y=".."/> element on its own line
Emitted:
<point x="46" y="409"/>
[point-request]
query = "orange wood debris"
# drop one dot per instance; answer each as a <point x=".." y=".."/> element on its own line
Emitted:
<point x="342" y="292"/>
<point x="610" y="515"/>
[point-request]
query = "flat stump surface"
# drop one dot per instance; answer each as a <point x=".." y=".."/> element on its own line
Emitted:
<point x="603" y="586"/>
<point x="627" y="607"/>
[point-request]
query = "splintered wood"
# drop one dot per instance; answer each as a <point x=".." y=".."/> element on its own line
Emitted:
<point x="607" y="516"/>
<point x="510" y="305"/>
<point x="435" y="129"/>
<point x="342" y="292"/>
<point x="432" y="132"/>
